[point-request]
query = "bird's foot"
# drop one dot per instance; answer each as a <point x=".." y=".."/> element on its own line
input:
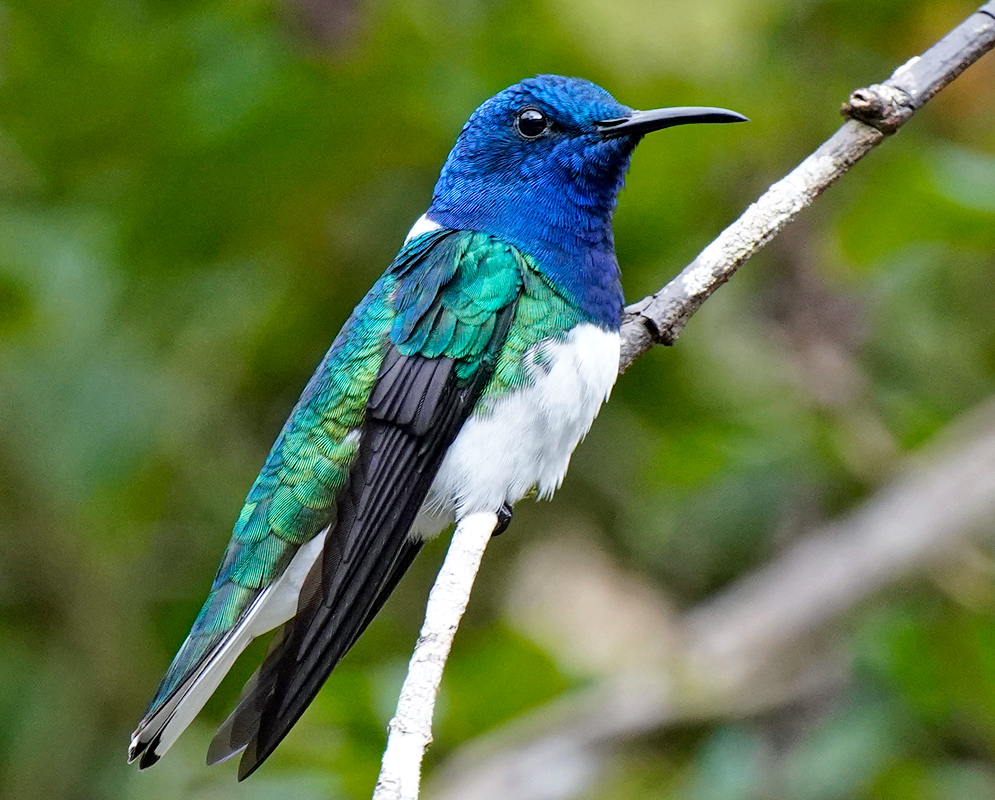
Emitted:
<point x="504" y="520"/>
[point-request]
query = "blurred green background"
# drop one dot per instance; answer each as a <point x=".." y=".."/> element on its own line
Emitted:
<point x="194" y="193"/>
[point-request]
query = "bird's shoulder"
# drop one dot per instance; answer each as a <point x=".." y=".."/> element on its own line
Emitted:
<point x="449" y="303"/>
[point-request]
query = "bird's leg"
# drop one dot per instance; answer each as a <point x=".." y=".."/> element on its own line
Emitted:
<point x="504" y="520"/>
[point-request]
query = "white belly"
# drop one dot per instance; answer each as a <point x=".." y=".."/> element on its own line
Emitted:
<point x="525" y="438"/>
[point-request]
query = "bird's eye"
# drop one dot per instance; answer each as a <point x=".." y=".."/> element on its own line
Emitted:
<point x="531" y="123"/>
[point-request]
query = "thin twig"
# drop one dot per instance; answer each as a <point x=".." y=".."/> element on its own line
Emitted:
<point x="411" y="728"/>
<point x="874" y="113"/>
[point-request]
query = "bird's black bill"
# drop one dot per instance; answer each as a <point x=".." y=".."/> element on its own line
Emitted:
<point x="640" y="122"/>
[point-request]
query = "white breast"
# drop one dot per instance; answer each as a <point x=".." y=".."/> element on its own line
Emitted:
<point x="525" y="438"/>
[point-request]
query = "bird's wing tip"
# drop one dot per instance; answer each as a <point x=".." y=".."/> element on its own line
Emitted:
<point x="143" y="746"/>
<point x="250" y="762"/>
<point x="136" y="747"/>
<point x="221" y="748"/>
<point x="146" y="753"/>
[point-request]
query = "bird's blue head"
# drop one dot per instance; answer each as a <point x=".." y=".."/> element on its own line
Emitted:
<point x="540" y="165"/>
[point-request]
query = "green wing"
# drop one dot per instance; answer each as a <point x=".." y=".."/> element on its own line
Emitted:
<point x="443" y="307"/>
<point x="294" y="495"/>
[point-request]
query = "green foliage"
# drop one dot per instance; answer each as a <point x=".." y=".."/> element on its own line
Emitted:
<point x="194" y="194"/>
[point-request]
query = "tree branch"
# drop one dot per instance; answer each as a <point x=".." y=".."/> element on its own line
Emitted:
<point x="411" y="728"/>
<point x="874" y="113"/>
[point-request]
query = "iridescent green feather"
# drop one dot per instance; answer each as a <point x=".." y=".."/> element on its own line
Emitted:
<point x="294" y="496"/>
<point x="459" y="322"/>
<point x="542" y="315"/>
<point x="440" y="298"/>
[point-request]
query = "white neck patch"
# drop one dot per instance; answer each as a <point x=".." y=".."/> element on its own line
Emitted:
<point x="422" y="225"/>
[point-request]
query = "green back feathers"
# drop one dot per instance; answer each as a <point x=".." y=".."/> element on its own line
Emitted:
<point x="440" y="297"/>
<point x="294" y="495"/>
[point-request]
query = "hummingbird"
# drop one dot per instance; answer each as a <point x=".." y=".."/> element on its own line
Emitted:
<point x="461" y="382"/>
